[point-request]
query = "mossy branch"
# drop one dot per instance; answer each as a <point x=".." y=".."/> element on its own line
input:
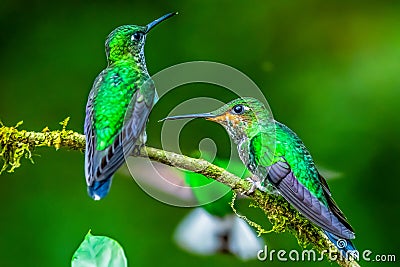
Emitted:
<point x="16" y="144"/>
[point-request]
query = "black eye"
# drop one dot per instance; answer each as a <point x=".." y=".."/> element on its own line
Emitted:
<point x="238" y="109"/>
<point x="136" y="36"/>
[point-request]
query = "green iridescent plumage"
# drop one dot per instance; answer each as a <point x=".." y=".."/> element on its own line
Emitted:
<point x="121" y="46"/>
<point x="277" y="157"/>
<point x="118" y="106"/>
<point x="114" y="95"/>
<point x="288" y="146"/>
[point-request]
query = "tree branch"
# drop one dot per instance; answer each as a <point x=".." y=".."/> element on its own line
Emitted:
<point x="15" y="144"/>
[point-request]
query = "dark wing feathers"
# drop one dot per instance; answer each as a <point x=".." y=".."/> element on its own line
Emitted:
<point x="332" y="204"/>
<point x="103" y="164"/>
<point x="326" y="215"/>
<point x="140" y="113"/>
<point x="281" y="176"/>
<point x="90" y="138"/>
<point x="324" y="184"/>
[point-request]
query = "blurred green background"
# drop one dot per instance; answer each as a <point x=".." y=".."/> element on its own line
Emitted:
<point x="329" y="69"/>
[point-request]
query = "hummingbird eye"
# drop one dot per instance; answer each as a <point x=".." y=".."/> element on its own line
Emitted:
<point x="136" y="36"/>
<point x="238" y="109"/>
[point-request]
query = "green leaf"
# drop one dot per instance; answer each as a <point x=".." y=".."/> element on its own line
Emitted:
<point x="99" y="251"/>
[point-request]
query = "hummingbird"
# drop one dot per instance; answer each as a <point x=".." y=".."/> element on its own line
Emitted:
<point x="279" y="160"/>
<point x="118" y="106"/>
<point x="214" y="227"/>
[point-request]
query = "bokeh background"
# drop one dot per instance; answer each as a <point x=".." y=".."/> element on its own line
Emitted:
<point x="329" y="69"/>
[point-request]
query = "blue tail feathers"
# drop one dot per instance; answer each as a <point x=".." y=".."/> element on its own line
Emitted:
<point x="99" y="189"/>
<point x="345" y="246"/>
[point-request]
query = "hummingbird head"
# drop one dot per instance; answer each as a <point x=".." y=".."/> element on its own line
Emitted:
<point x="128" y="41"/>
<point x="241" y="117"/>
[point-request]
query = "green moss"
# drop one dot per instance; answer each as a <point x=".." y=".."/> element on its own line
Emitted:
<point x="259" y="228"/>
<point x="11" y="152"/>
<point x="16" y="144"/>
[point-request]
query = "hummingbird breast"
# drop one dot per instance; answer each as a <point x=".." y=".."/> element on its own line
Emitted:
<point x="244" y="154"/>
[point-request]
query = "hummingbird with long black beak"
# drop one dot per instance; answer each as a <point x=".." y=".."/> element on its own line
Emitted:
<point x="277" y="158"/>
<point x="118" y="106"/>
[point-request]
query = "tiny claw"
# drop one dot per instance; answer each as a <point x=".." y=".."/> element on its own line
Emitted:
<point x="136" y="150"/>
<point x="255" y="185"/>
<point x="252" y="188"/>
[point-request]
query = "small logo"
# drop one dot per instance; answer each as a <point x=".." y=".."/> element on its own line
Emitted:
<point x="341" y="243"/>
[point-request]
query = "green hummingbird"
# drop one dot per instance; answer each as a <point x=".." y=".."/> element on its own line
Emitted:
<point x="118" y="106"/>
<point x="277" y="158"/>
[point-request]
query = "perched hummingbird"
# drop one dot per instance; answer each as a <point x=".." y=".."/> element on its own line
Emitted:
<point x="118" y="106"/>
<point x="277" y="157"/>
<point x="214" y="227"/>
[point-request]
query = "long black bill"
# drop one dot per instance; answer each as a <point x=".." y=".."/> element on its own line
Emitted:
<point x="189" y="116"/>
<point x="152" y="24"/>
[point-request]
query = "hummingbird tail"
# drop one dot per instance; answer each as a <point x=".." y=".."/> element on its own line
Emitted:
<point x="99" y="189"/>
<point x="206" y="234"/>
<point x="345" y="246"/>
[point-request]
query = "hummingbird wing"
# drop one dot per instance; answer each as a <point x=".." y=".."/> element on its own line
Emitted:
<point x="329" y="218"/>
<point x="293" y="174"/>
<point x="101" y="164"/>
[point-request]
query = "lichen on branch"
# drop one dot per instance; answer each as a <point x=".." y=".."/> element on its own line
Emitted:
<point x="16" y="144"/>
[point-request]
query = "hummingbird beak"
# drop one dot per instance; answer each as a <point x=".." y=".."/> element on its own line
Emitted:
<point x="152" y="24"/>
<point x="189" y="116"/>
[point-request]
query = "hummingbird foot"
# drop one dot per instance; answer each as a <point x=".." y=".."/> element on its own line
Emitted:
<point x="137" y="149"/>
<point x="255" y="184"/>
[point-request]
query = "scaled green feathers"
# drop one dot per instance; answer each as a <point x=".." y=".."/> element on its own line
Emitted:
<point x="116" y="88"/>
<point x="289" y="148"/>
<point x="118" y="106"/>
<point x="276" y="156"/>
